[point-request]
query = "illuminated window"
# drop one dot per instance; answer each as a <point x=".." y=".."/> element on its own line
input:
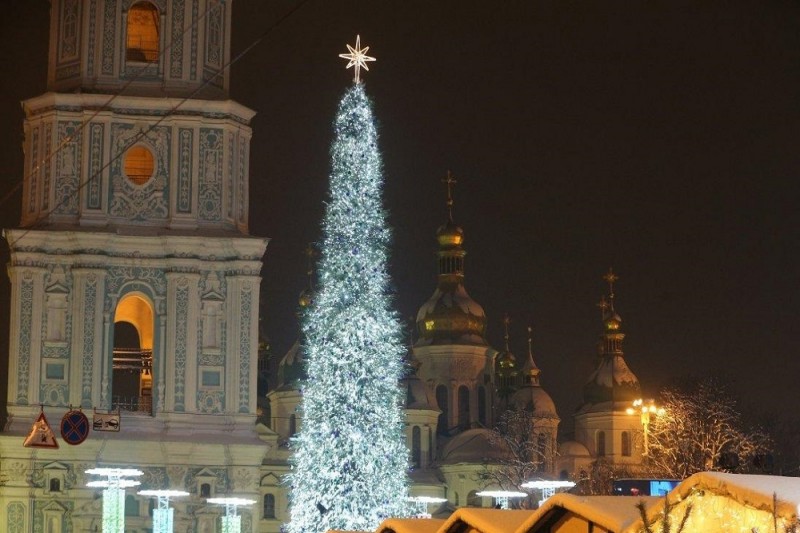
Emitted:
<point x="143" y="26"/>
<point x="139" y="164"/>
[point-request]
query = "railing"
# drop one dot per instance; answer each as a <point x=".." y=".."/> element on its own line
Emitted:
<point x="132" y="404"/>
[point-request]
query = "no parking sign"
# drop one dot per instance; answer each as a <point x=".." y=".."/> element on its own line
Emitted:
<point x="74" y="427"/>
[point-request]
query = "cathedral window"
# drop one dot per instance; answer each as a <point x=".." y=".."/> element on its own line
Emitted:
<point x="131" y="505"/>
<point x="463" y="407"/>
<point x="441" y="399"/>
<point x="143" y="33"/>
<point x="139" y="165"/>
<point x="56" y="317"/>
<point x="205" y="490"/>
<point x="601" y="443"/>
<point x="626" y="443"/>
<point x="416" y="447"/>
<point x="541" y="451"/>
<point x="55" y="484"/>
<point x="269" y="506"/>
<point x="482" y="405"/>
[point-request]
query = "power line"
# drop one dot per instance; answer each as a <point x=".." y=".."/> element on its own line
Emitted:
<point x="143" y="133"/>
<point x="79" y="131"/>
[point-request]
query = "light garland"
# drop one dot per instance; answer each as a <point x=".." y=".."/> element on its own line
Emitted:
<point x="350" y="457"/>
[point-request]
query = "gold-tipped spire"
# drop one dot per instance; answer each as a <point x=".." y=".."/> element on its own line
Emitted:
<point x="610" y="278"/>
<point x="449" y="180"/>
<point x="307" y="294"/>
<point x="506" y="322"/>
<point x="603" y="305"/>
<point x="533" y="370"/>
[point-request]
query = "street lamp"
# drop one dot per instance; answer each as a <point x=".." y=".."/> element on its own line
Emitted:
<point x="231" y="522"/>
<point x="547" y="487"/>
<point x="163" y="515"/>
<point x="421" y="504"/>
<point x="645" y="408"/>
<point x="501" y="496"/>
<point x="114" y="494"/>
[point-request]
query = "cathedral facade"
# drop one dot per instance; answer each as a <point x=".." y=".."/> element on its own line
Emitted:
<point x="135" y="293"/>
<point x="135" y="283"/>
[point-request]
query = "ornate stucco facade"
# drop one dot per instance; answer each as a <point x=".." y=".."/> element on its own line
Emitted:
<point x="135" y="284"/>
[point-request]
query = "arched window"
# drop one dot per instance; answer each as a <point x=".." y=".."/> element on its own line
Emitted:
<point x="463" y="407"/>
<point x="482" y="405"/>
<point x="416" y="447"/>
<point x="541" y="452"/>
<point x="205" y="490"/>
<point x="269" y="506"/>
<point x="131" y="505"/>
<point x="292" y="424"/>
<point x="455" y="499"/>
<point x="55" y="484"/>
<point x="441" y="399"/>
<point x="626" y="443"/>
<point x="601" y="443"/>
<point x="143" y="33"/>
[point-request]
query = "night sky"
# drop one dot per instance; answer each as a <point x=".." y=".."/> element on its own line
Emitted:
<point x="660" y="138"/>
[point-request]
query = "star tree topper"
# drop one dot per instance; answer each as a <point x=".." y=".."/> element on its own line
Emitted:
<point x="357" y="58"/>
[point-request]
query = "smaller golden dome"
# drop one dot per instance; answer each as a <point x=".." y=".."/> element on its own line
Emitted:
<point x="613" y="322"/>
<point x="450" y="235"/>
<point x="305" y="299"/>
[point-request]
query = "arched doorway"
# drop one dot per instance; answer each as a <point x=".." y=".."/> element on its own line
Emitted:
<point x="132" y="380"/>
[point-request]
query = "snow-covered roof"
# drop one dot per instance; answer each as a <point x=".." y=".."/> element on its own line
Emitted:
<point x="487" y="520"/>
<point x="612" y="513"/>
<point x="410" y="525"/>
<point x="749" y="490"/>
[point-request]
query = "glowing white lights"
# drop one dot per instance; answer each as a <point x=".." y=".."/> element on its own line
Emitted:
<point x="114" y="494"/>
<point x="357" y="58"/>
<point x="350" y="460"/>
<point x="547" y="487"/>
<point x="163" y="515"/>
<point x="231" y="522"/>
<point x="421" y="503"/>
<point x="502" y="496"/>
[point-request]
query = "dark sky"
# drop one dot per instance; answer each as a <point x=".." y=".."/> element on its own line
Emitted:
<point x="660" y="138"/>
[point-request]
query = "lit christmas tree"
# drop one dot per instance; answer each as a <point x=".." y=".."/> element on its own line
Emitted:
<point x="350" y="460"/>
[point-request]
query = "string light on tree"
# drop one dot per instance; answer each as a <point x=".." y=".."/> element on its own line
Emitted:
<point x="350" y="460"/>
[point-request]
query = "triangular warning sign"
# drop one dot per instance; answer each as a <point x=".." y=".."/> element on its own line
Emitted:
<point x="41" y="435"/>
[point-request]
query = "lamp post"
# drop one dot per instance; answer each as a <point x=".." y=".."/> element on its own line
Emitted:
<point x="421" y="504"/>
<point x="547" y="487"/>
<point x="501" y="496"/>
<point x="645" y="408"/>
<point x="231" y="522"/>
<point x="163" y="515"/>
<point x="114" y="494"/>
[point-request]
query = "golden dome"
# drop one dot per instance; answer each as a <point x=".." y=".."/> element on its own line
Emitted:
<point x="306" y="298"/>
<point x="613" y="322"/>
<point x="450" y="235"/>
